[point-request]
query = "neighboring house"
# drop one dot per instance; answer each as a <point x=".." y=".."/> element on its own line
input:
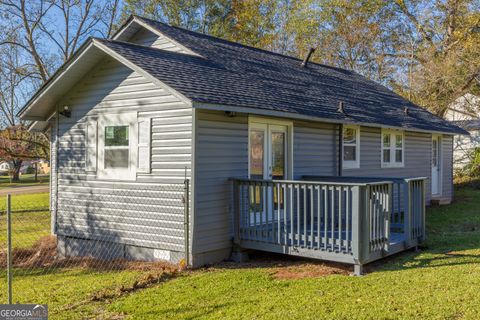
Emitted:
<point x="223" y="110"/>
<point x="43" y="167"/>
<point x="4" y="168"/>
<point x="465" y="113"/>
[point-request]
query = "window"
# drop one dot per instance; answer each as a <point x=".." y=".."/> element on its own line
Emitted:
<point x="116" y="147"/>
<point x="351" y="147"/>
<point x="392" y="148"/>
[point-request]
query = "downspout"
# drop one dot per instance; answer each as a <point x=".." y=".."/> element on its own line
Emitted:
<point x="340" y="145"/>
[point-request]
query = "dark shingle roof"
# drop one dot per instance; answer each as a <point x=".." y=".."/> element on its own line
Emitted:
<point x="229" y="73"/>
<point x="469" y="125"/>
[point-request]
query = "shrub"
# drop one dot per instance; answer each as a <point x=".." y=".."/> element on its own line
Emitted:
<point x="473" y="168"/>
<point x="30" y="170"/>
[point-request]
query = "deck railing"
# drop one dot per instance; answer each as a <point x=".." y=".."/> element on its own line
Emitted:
<point x="342" y="221"/>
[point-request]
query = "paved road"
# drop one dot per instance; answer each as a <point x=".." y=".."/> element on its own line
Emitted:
<point x="24" y="190"/>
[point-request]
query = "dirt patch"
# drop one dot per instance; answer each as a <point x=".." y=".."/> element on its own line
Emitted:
<point x="287" y="267"/>
<point x="43" y="254"/>
<point x="309" y="270"/>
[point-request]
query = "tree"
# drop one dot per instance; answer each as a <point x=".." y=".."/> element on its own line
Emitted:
<point x="444" y="55"/>
<point x="17" y="144"/>
<point x="37" y="37"/>
<point x="251" y="22"/>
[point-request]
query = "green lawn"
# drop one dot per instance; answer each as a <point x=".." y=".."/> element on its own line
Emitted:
<point x="25" y="180"/>
<point x="68" y="290"/>
<point x="440" y="282"/>
<point x="30" y="219"/>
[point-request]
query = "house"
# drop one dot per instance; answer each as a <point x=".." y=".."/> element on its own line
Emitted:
<point x="4" y="168"/>
<point x="283" y="156"/>
<point x="465" y="112"/>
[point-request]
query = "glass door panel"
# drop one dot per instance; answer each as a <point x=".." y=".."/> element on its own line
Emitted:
<point x="257" y="153"/>
<point x="278" y="155"/>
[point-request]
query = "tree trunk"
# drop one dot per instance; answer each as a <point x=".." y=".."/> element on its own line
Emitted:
<point x="17" y="165"/>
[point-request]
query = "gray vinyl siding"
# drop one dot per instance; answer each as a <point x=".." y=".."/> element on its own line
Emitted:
<point x="447" y="170"/>
<point x="222" y="153"/>
<point x="147" y="38"/>
<point x="314" y="149"/>
<point x="417" y="153"/>
<point x="148" y="211"/>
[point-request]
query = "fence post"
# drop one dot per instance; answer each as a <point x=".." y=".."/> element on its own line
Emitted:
<point x="186" y="219"/>
<point x="9" y="248"/>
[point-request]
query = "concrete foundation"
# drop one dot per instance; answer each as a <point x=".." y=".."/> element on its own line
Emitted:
<point x="105" y="250"/>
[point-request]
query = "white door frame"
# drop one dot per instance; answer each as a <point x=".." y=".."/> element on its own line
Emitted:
<point x="436" y="182"/>
<point x="268" y="126"/>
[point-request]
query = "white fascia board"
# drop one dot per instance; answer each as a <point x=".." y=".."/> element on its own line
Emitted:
<point x="56" y="78"/>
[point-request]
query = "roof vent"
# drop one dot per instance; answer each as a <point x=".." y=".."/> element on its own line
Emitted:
<point x="406" y="111"/>
<point x="341" y="108"/>
<point x="307" y="58"/>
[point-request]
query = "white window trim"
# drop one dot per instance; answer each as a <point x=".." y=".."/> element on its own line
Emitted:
<point x="262" y="123"/>
<point x="125" y="119"/>
<point x="393" y="141"/>
<point x="351" y="164"/>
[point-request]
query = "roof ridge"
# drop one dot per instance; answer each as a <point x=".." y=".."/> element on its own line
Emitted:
<point x="149" y="48"/>
<point x="243" y="45"/>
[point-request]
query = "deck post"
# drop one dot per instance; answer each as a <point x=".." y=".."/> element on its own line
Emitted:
<point x="358" y="269"/>
<point x="424" y="213"/>
<point x="236" y="212"/>
<point x="407" y="210"/>
<point x="358" y="227"/>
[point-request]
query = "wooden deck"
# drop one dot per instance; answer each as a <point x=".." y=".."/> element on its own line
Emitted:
<point x="346" y="221"/>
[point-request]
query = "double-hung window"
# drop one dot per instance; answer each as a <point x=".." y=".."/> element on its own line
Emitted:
<point x="351" y="147"/>
<point x="393" y="146"/>
<point x="117" y="147"/>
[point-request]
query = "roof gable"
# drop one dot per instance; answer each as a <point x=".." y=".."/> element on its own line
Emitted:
<point x="42" y="105"/>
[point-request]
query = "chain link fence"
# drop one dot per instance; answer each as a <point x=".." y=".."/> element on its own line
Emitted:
<point x="97" y="242"/>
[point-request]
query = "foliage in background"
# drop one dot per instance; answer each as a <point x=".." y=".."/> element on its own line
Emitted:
<point x="37" y="37"/>
<point x="425" y="50"/>
<point x="17" y="144"/>
<point x="472" y="169"/>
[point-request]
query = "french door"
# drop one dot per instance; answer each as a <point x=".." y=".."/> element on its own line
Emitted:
<point x="268" y="160"/>
<point x="268" y="151"/>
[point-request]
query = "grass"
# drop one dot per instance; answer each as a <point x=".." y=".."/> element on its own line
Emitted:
<point x="25" y="202"/>
<point x="69" y="290"/>
<point x="30" y="219"/>
<point x="25" y="180"/>
<point x="439" y="282"/>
